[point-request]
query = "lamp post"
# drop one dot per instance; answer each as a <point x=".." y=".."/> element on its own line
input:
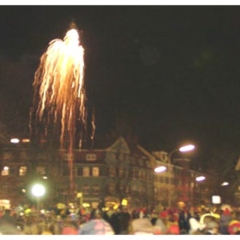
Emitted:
<point x="200" y="179"/>
<point x="185" y="148"/>
<point x="38" y="190"/>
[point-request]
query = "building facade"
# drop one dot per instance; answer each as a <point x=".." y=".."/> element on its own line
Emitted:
<point x="123" y="171"/>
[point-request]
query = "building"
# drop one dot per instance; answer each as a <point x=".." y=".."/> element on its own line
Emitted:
<point x="123" y="171"/>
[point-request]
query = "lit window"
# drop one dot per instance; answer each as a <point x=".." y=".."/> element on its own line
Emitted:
<point x="91" y="157"/>
<point x="86" y="172"/>
<point x="22" y="171"/>
<point x="95" y="171"/>
<point x="5" y="171"/>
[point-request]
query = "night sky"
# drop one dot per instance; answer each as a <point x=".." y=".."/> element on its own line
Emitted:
<point x="171" y="72"/>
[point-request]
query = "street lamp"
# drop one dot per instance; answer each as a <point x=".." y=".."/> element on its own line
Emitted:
<point x="200" y="179"/>
<point x="38" y="190"/>
<point x="185" y="148"/>
<point x="160" y="169"/>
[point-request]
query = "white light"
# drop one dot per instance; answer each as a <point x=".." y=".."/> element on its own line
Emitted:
<point x="216" y="199"/>
<point x="225" y="184"/>
<point x="14" y="140"/>
<point x="38" y="190"/>
<point x="186" y="148"/>
<point x="160" y="169"/>
<point x="200" y="178"/>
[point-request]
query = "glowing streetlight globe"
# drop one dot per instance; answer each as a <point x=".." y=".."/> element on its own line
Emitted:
<point x="38" y="190"/>
<point x="160" y="169"/>
<point x="186" y="148"/>
<point x="200" y="178"/>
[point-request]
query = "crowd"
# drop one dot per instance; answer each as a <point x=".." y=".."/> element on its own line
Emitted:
<point x="121" y="221"/>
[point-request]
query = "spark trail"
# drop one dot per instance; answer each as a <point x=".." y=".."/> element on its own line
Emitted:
<point x="59" y="93"/>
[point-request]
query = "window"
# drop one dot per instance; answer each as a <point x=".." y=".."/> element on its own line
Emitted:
<point x="141" y="162"/>
<point x="112" y="172"/>
<point x="86" y="189"/>
<point x="86" y="171"/>
<point x="66" y="172"/>
<point x="79" y="171"/>
<point x="5" y="171"/>
<point x="95" y="189"/>
<point x="22" y="171"/>
<point x="127" y="189"/>
<point x="120" y="172"/>
<point x="91" y="157"/>
<point x="95" y="171"/>
<point x="41" y="170"/>
<point x="111" y="188"/>
<point x="134" y="173"/>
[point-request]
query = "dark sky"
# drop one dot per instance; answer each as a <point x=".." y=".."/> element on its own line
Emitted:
<point x="171" y="71"/>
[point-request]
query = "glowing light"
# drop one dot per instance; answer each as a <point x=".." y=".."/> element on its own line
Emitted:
<point x="186" y="148"/>
<point x="59" y="88"/>
<point x="200" y="178"/>
<point x="86" y="205"/>
<point x="38" y="190"/>
<point x="225" y="184"/>
<point x="160" y="169"/>
<point x="14" y="140"/>
<point x="59" y="100"/>
<point x="124" y="202"/>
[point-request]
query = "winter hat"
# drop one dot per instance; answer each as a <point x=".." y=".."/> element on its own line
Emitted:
<point x="96" y="227"/>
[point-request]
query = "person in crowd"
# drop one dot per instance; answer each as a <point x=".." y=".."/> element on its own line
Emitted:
<point x="225" y="219"/>
<point x="124" y="219"/>
<point x="161" y="224"/>
<point x="8" y="224"/>
<point x="143" y="226"/>
<point x="183" y="220"/>
<point x="196" y="228"/>
<point x="96" y="225"/>
<point x="212" y="228"/>
<point x="234" y="225"/>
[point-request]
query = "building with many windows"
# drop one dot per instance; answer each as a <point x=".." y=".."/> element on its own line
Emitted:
<point x="123" y="171"/>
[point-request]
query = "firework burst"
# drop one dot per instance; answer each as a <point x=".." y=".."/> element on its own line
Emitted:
<point x="59" y="88"/>
<point x="59" y="95"/>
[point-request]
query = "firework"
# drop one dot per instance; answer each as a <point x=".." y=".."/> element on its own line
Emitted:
<point x="59" y="95"/>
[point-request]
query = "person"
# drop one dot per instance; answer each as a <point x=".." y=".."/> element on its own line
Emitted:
<point x="8" y="224"/>
<point x="212" y="228"/>
<point x="234" y="225"/>
<point x="183" y="221"/>
<point x="143" y="226"/>
<point x="96" y="225"/>
<point x="225" y="219"/>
